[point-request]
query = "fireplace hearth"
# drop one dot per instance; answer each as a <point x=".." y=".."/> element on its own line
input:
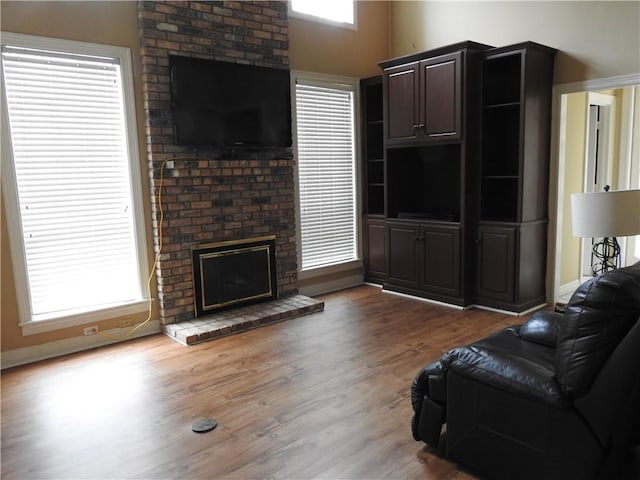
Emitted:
<point x="237" y="320"/>
<point x="234" y="273"/>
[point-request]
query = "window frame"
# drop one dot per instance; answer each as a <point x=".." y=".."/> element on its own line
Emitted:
<point x="10" y="197"/>
<point x="326" y="80"/>
<point x="324" y="20"/>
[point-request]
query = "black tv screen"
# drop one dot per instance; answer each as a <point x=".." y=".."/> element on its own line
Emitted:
<point x="226" y="104"/>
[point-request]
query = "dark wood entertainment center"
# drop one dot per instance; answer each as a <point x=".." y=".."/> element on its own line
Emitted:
<point x="456" y="163"/>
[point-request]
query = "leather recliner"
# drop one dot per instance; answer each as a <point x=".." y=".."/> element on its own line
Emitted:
<point x="555" y="397"/>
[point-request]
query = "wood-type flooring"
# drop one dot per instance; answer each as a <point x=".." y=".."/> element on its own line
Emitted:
<point x="324" y="396"/>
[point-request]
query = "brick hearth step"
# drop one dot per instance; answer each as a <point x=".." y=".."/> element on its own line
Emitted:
<point x="233" y="321"/>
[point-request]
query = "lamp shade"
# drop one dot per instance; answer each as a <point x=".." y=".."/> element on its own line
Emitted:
<point x="606" y="214"/>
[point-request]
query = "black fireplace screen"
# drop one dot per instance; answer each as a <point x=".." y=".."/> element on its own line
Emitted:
<point x="231" y="274"/>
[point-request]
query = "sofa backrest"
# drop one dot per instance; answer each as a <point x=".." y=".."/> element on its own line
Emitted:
<point x="599" y="315"/>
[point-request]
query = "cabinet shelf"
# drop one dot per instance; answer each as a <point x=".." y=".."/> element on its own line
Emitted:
<point x="501" y="140"/>
<point x="499" y="198"/>
<point x="425" y="181"/>
<point x="500" y="177"/>
<point x="373" y="146"/>
<point x="375" y="173"/>
<point x="501" y="105"/>
<point x="502" y="79"/>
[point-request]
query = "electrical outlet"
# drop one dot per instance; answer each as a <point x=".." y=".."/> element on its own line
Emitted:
<point x="91" y="330"/>
<point x="170" y="165"/>
<point x="127" y="322"/>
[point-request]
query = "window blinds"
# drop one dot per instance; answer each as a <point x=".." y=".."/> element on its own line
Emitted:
<point x="326" y="174"/>
<point x="66" y="118"/>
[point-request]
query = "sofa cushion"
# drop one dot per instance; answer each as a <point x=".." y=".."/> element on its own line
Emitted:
<point x="504" y="361"/>
<point x="542" y="328"/>
<point x="598" y="316"/>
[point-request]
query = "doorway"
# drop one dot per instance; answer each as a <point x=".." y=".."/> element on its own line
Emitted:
<point x="598" y="160"/>
<point x="568" y="173"/>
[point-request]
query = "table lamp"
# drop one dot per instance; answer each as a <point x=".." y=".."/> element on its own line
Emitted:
<point x="605" y="216"/>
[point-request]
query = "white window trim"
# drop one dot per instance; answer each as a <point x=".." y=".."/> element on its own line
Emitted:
<point x="326" y="21"/>
<point x="336" y="81"/>
<point x="10" y="194"/>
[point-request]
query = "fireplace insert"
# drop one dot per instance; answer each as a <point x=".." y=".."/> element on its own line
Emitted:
<point x="234" y="273"/>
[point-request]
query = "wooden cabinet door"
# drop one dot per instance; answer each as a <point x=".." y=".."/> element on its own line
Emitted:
<point x="375" y="250"/>
<point x="401" y="104"/>
<point x="496" y="262"/>
<point x="441" y="92"/>
<point x="403" y="268"/>
<point x="441" y="260"/>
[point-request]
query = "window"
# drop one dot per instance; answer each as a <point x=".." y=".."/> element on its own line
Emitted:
<point x="325" y="133"/>
<point x="340" y="12"/>
<point x="71" y="178"/>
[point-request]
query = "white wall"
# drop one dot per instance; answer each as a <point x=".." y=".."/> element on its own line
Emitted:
<point x="595" y="39"/>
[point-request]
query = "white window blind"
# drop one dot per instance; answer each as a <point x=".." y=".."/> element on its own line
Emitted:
<point x="326" y="174"/>
<point x="72" y="178"/>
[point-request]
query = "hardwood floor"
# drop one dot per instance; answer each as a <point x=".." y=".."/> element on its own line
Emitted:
<point x="321" y="396"/>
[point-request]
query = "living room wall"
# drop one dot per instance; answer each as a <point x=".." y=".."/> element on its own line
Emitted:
<point x="318" y="48"/>
<point x="595" y="39"/>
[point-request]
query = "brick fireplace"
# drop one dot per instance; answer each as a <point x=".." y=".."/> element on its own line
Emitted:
<point x="210" y="195"/>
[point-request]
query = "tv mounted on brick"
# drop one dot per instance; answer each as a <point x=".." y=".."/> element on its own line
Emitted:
<point x="226" y="104"/>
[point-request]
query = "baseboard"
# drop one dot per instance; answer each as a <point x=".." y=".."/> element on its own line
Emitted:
<point x="320" y="288"/>
<point x="565" y="291"/>
<point x="425" y="300"/>
<point x="22" y="356"/>
<point x="509" y="312"/>
<point x="569" y="288"/>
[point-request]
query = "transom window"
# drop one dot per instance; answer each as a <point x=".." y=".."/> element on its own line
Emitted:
<point x="341" y="12"/>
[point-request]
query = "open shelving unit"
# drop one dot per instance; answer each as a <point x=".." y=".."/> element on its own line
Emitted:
<point x="373" y="146"/>
<point x="501" y="127"/>
<point x="374" y="179"/>
<point x="514" y="164"/>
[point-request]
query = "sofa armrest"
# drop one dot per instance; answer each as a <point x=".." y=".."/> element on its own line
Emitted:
<point x="542" y="328"/>
<point x="504" y="361"/>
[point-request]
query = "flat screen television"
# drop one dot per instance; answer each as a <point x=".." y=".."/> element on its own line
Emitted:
<point x="225" y="104"/>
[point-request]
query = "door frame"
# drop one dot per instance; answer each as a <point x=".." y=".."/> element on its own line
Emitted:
<point x="603" y="172"/>
<point x="556" y="174"/>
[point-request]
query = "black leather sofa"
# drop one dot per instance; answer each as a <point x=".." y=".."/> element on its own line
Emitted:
<point x="557" y="397"/>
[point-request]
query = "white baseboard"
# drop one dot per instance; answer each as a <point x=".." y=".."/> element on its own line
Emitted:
<point x="569" y="288"/>
<point x="566" y="290"/>
<point x="425" y="300"/>
<point x="509" y="312"/>
<point x="22" y="356"/>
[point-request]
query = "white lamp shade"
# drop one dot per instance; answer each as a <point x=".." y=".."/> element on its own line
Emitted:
<point x="606" y="214"/>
